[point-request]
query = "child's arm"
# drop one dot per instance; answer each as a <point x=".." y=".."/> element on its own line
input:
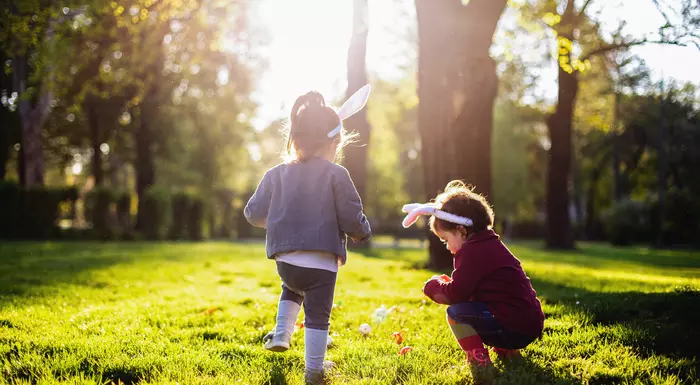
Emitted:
<point x="459" y="288"/>
<point x="351" y="220"/>
<point x="437" y="297"/>
<point x="258" y="205"/>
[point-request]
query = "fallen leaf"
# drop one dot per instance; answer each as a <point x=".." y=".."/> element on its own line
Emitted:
<point x="405" y="350"/>
<point x="211" y="310"/>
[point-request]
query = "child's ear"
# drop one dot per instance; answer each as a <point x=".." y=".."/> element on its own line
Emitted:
<point x="462" y="230"/>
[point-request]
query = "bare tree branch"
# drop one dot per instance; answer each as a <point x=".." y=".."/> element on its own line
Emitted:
<point x="612" y="47"/>
<point x="585" y="5"/>
<point x="663" y="13"/>
<point x="569" y="7"/>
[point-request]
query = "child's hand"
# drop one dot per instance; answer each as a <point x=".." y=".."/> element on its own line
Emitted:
<point x="437" y="297"/>
<point x="362" y="240"/>
<point x="445" y="278"/>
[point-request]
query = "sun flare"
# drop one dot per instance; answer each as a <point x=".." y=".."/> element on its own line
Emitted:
<point x="308" y="48"/>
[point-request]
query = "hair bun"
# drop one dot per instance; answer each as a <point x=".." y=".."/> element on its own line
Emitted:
<point x="309" y="99"/>
<point x="312" y="98"/>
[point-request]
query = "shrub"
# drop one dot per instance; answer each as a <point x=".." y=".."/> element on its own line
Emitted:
<point x="528" y="229"/>
<point x="181" y="206"/>
<point x="10" y="195"/>
<point x="157" y="213"/>
<point x="99" y="203"/>
<point x="195" y="219"/>
<point x="681" y="213"/>
<point x="628" y="221"/>
<point x="123" y="200"/>
<point x="39" y="212"/>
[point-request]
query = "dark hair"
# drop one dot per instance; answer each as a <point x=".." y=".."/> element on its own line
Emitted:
<point x="310" y="122"/>
<point x="460" y="199"/>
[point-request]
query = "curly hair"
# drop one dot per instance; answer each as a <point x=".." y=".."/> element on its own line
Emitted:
<point x="460" y="199"/>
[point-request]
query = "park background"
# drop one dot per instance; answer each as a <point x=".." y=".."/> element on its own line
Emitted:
<point x="134" y="131"/>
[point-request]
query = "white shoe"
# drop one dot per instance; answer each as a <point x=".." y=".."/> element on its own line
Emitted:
<point x="318" y="377"/>
<point x="277" y="342"/>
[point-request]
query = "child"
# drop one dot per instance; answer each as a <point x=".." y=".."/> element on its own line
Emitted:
<point x="308" y="205"/>
<point x="491" y="299"/>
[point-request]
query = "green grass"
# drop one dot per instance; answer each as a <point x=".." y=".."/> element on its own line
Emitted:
<point x="93" y="313"/>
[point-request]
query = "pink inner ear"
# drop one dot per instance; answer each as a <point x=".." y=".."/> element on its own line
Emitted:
<point x="411" y="218"/>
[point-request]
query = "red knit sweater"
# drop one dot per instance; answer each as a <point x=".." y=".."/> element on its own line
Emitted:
<point x="486" y="271"/>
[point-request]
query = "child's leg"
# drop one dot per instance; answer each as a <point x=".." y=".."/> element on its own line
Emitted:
<point x="506" y="344"/>
<point x="468" y="321"/>
<point x="467" y="338"/>
<point x="288" y="311"/>
<point x="318" y="287"/>
<point x="318" y="303"/>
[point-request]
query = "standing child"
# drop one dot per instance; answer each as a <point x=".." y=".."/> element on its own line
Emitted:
<point x="491" y="299"/>
<point x="308" y="206"/>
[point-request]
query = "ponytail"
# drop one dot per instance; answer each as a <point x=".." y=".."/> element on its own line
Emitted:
<point x="310" y="121"/>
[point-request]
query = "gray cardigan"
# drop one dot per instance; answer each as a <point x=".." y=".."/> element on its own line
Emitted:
<point x="308" y="205"/>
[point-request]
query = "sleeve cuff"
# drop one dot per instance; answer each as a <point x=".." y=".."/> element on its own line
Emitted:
<point x="430" y="288"/>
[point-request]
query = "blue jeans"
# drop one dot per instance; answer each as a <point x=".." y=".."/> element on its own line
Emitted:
<point x="478" y="316"/>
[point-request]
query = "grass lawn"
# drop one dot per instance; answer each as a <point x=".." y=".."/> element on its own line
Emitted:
<point x="92" y="313"/>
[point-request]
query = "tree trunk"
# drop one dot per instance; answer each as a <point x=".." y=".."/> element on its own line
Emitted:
<point x="356" y="154"/>
<point x="577" y="196"/>
<point x="32" y="119"/>
<point x="225" y="198"/>
<point x="21" y="174"/>
<point x="7" y="121"/>
<point x="434" y="110"/>
<point x="471" y="131"/>
<point x="95" y="140"/>
<point x="206" y="166"/>
<point x="477" y="84"/>
<point x="145" y="163"/>
<point x="591" y="227"/>
<point x="559" y="234"/>
<point x="660" y="241"/>
<point x="5" y="144"/>
<point x="457" y="87"/>
<point x="617" y="188"/>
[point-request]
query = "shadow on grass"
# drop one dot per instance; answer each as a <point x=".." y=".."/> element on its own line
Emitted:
<point x="599" y="254"/>
<point x="277" y="376"/>
<point x="25" y="268"/>
<point x="662" y="323"/>
<point x="659" y="324"/>
<point x="413" y="258"/>
<point x="668" y="319"/>
<point x="279" y="366"/>
<point x="523" y="371"/>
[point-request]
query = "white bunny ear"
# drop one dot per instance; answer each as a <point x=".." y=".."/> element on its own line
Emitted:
<point x="411" y="218"/>
<point x="355" y="102"/>
<point x="351" y="106"/>
<point x="415" y="210"/>
<point x="407" y="208"/>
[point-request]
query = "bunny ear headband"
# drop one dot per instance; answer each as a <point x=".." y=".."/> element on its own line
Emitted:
<point x="351" y="106"/>
<point x="415" y="210"/>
